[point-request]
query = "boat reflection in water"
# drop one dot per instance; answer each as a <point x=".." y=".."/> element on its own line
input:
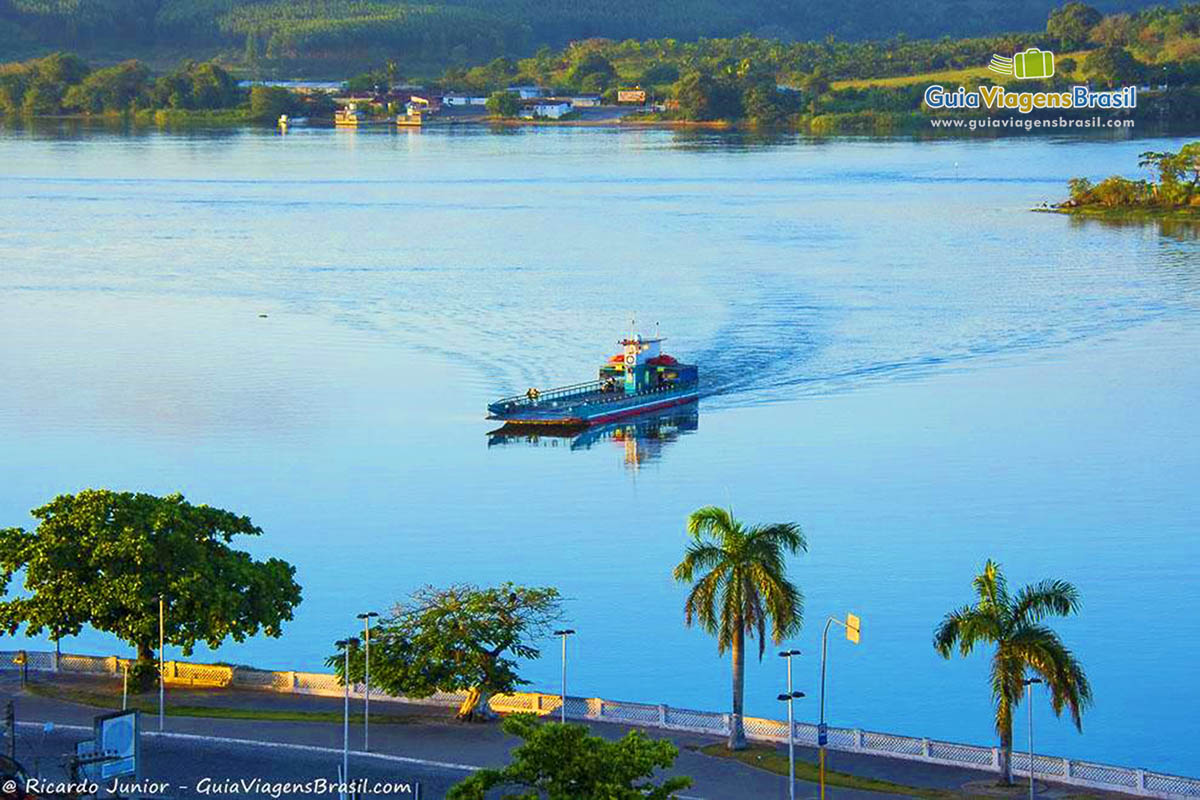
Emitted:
<point x="642" y="438"/>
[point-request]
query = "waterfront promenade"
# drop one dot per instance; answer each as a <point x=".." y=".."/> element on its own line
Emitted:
<point x="409" y="742"/>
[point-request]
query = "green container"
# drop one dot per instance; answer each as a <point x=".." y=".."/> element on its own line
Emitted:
<point x="1033" y="63"/>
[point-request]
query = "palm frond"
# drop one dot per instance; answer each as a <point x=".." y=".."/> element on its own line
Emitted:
<point x="698" y="556"/>
<point x="1044" y="652"/>
<point x="713" y="521"/>
<point x="1039" y="600"/>
<point x="965" y="626"/>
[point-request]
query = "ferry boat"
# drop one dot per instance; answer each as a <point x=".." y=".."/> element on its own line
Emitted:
<point x="638" y="380"/>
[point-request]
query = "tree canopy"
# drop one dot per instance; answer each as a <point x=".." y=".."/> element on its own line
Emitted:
<point x="459" y="638"/>
<point x="566" y="762"/>
<point x="103" y="559"/>
<point x="740" y="586"/>
<point x="1014" y="624"/>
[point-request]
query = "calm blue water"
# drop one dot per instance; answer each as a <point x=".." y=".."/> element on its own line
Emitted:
<point x="900" y="357"/>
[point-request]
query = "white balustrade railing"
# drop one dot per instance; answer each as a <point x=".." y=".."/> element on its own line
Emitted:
<point x="1142" y="783"/>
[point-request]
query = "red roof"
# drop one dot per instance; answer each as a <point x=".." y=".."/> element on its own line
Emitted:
<point x="663" y="360"/>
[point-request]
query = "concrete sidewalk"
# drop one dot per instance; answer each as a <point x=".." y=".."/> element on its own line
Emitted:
<point x="431" y="734"/>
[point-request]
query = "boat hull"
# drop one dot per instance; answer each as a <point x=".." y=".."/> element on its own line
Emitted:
<point x="587" y="414"/>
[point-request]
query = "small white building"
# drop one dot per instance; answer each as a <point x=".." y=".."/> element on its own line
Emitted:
<point x="546" y="109"/>
<point x="528" y="92"/>
<point x="464" y="100"/>
<point x="585" y="101"/>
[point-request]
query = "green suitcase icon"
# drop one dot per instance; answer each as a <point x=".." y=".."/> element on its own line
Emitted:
<point x="1033" y="63"/>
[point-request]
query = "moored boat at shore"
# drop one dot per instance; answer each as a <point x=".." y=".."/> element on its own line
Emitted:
<point x="638" y="380"/>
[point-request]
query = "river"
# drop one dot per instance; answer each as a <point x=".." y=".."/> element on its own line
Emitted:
<point x="897" y="355"/>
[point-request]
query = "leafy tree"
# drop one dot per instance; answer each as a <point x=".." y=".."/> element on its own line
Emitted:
<point x="591" y="62"/>
<point x="503" y="104"/>
<point x="815" y="85"/>
<point x="267" y="103"/>
<point x="1013" y="623"/>
<point x="1072" y="23"/>
<point x="104" y="558"/>
<point x="765" y="104"/>
<point x="566" y="762"/>
<point x="742" y="568"/>
<point x="461" y="638"/>
<point x="1178" y="173"/>
<point x="114" y="88"/>
<point x="701" y="96"/>
<point x="1112" y="66"/>
<point x="659" y="73"/>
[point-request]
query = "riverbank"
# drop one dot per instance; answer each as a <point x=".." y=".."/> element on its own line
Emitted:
<point x="1127" y="213"/>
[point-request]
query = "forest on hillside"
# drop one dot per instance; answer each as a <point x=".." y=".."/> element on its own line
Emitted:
<point x="331" y="35"/>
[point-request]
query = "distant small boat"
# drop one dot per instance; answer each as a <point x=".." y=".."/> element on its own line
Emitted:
<point x="638" y="380"/>
<point x="349" y="117"/>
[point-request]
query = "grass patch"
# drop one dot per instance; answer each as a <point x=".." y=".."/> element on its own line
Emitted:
<point x="773" y="760"/>
<point x="109" y="699"/>
<point x="945" y="75"/>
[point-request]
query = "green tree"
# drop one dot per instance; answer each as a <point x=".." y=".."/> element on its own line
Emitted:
<point x="659" y="73"/>
<point x="503" y="104"/>
<point x="1178" y="173"/>
<point x="461" y="638"/>
<point x="1112" y="66"/>
<point x="589" y="63"/>
<point x="104" y="558"/>
<point x="815" y="85"/>
<point x="1013" y="623"/>
<point x="1072" y="23"/>
<point x="566" y="762"/>
<point x="115" y="88"/>
<point x="701" y="96"/>
<point x="267" y="103"/>
<point x="742" y="569"/>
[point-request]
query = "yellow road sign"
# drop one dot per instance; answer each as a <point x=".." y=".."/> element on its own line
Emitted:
<point x="19" y="658"/>
<point x="853" y="627"/>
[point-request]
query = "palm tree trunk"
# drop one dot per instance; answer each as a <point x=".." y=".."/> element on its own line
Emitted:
<point x="737" y="735"/>
<point x="1006" y="737"/>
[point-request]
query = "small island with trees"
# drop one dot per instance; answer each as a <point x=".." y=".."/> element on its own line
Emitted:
<point x="1174" y="195"/>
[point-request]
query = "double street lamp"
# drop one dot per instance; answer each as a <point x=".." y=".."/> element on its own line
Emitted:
<point x="562" y="706"/>
<point x="1029" y="701"/>
<point x="791" y="723"/>
<point x="366" y="617"/>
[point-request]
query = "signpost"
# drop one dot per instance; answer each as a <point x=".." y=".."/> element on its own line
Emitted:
<point x="853" y="626"/>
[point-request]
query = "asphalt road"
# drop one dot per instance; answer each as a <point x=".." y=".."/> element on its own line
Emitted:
<point x="179" y="767"/>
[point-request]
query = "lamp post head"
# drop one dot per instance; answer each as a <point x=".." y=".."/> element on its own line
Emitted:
<point x="788" y="653"/>
<point x="565" y="632"/>
<point x="797" y="695"/>
<point x="784" y="697"/>
<point x="347" y="644"/>
<point x="368" y="615"/>
<point x="1031" y="681"/>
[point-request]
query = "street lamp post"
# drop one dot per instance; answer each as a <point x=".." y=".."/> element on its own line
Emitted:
<point x="346" y="645"/>
<point x="791" y="725"/>
<point x="562" y="706"/>
<point x="366" y="617"/>
<point x="162" y="675"/>
<point x="1029" y="701"/>
<point x="853" y="627"/>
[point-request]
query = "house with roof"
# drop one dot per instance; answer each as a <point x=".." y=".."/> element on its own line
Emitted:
<point x="545" y="108"/>
<point x="528" y="92"/>
<point x="458" y="99"/>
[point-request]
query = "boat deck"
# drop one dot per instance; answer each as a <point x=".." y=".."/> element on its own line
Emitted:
<point x="574" y="405"/>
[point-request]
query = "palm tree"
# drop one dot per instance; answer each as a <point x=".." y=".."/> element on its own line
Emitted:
<point x="744" y="573"/>
<point x="1013" y="623"/>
